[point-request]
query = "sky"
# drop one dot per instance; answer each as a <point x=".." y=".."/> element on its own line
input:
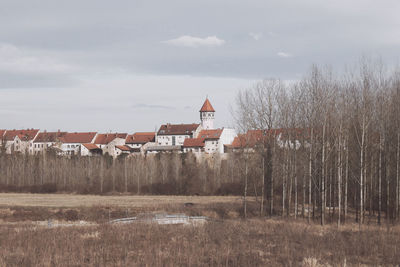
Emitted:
<point x="127" y="66"/>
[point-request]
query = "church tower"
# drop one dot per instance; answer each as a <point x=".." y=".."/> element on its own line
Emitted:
<point x="207" y="115"/>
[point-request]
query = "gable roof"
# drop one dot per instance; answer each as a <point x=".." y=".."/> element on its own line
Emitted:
<point x="255" y="137"/>
<point x="103" y="139"/>
<point x="207" y="107"/>
<point x="48" y="137"/>
<point x="193" y="142"/>
<point x="81" y="138"/>
<point x="91" y="146"/>
<point x="210" y="134"/>
<point x="140" y="138"/>
<point x="24" y="135"/>
<point x="124" y="148"/>
<point x="177" y="129"/>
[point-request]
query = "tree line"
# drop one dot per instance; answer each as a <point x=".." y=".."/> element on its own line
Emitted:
<point x="337" y="155"/>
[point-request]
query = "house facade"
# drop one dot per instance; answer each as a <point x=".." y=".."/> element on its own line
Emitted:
<point x="108" y="142"/>
<point x="90" y="150"/>
<point x="210" y="141"/>
<point x="70" y="143"/>
<point x="139" y="139"/>
<point x="44" y="141"/>
<point x="175" y="134"/>
<point x="19" y="140"/>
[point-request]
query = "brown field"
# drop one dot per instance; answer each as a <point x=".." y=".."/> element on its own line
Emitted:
<point x="226" y="240"/>
<point x="71" y="200"/>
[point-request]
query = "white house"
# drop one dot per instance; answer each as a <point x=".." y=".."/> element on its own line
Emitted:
<point x="19" y="140"/>
<point x="210" y="141"/>
<point x="71" y="143"/>
<point x="108" y="142"/>
<point x="139" y="139"/>
<point x="175" y="134"/>
<point x="45" y="140"/>
<point x="90" y="150"/>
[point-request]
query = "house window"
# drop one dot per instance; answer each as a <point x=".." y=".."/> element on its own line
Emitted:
<point x="173" y="140"/>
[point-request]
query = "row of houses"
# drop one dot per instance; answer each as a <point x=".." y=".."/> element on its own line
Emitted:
<point x="182" y="138"/>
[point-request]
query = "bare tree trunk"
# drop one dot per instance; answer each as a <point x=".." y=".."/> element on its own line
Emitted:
<point x="360" y="221"/>
<point x="245" y="189"/>
<point x="387" y="191"/>
<point x="126" y="175"/>
<point x="380" y="180"/>
<point x="371" y="187"/>
<point x="262" y="188"/>
<point x="303" y="206"/>
<point x="271" y="202"/>
<point x="397" y="176"/>
<point x="339" y="175"/>
<point x="323" y="205"/>
<point x="295" y="182"/>
<point x="284" y="190"/>
<point x="290" y="181"/>
<point x="310" y="175"/>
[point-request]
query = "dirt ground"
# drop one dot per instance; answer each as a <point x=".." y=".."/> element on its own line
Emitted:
<point x="72" y="200"/>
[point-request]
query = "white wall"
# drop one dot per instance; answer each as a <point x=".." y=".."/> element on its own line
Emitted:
<point x="226" y="138"/>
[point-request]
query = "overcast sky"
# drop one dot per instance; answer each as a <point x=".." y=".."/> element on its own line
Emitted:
<point x="101" y="65"/>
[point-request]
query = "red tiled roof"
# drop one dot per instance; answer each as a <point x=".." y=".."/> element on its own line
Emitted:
<point x="48" y="137"/>
<point x="81" y="138"/>
<point x="140" y="138"/>
<point x="177" y="129"/>
<point x="210" y="134"/>
<point x="2" y="132"/>
<point x="193" y="142"/>
<point x="124" y="148"/>
<point x="91" y="146"/>
<point x="254" y="137"/>
<point x="103" y="139"/>
<point x="25" y="135"/>
<point x="207" y="107"/>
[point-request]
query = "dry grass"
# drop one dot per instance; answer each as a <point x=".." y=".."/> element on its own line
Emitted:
<point x="228" y="241"/>
<point x="71" y="200"/>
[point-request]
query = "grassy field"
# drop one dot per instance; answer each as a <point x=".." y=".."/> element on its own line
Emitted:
<point x="80" y="235"/>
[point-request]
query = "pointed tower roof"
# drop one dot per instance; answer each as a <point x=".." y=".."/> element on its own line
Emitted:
<point x="207" y="107"/>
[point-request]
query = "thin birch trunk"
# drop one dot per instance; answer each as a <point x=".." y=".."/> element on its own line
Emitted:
<point x="245" y="189"/>
<point x="323" y="205"/>
<point x="101" y="174"/>
<point x="310" y="176"/>
<point x="360" y="221"/>
<point x="262" y="188"/>
<point x="346" y="183"/>
<point x="339" y="174"/>
<point x="380" y="180"/>
<point x="271" y="202"/>
<point x="397" y="176"/>
<point x="126" y="175"/>
<point x="295" y="182"/>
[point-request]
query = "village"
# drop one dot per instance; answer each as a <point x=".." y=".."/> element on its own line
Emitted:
<point x="199" y="138"/>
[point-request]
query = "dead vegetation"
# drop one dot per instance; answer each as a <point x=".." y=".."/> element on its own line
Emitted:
<point x="89" y="240"/>
<point x="253" y="242"/>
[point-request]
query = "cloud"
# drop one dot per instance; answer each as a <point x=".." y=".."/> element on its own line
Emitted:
<point x="147" y="106"/>
<point x="17" y="60"/>
<point x="190" y="41"/>
<point x="22" y="67"/>
<point x="256" y="35"/>
<point x="284" y="55"/>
